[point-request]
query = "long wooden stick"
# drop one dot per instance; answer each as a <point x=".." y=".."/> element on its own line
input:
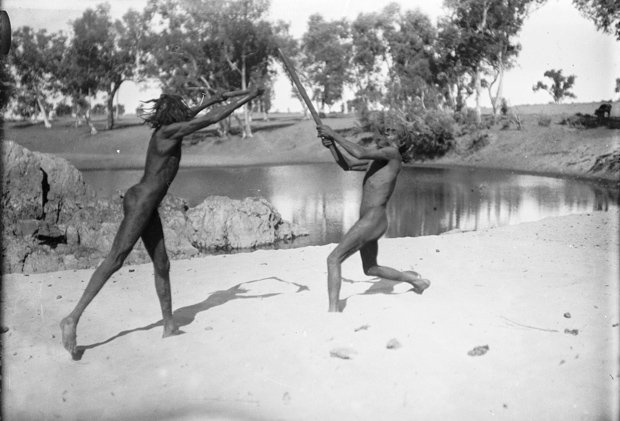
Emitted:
<point x="304" y="95"/>
<point x="300" y="88"/>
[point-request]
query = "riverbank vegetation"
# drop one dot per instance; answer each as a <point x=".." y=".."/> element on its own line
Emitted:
<point x="551" y="147"/>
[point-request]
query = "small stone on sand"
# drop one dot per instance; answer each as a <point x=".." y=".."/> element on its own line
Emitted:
<point x="567" y="315"/>
<point x="479" y="350"/>
<point x="572" y="331"/>
<point x="393" y="344"/>
<point x="343" y="353"/>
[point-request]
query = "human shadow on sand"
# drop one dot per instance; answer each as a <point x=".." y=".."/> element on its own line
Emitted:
<point x="185" y="315"/>
<point x="377" y="286"/>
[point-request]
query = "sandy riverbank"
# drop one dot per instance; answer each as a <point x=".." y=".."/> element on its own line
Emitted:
<point x="258" y="341"/>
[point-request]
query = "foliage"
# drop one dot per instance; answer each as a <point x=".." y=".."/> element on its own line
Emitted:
<point x="99" y="109"/>
<point x="102" y="55"/>
<point x="482" y="36"/>
<point x="504" y="107"/>
<point x="369" y="54"/>
<point x="477" y="140"/>
<point x="7" y="83"/>
<point x="604" y="13"/>
<point x="206" y="46"/>
<point x="63" y="109"/>
<point x="26" y="104"/>
<point x="429" y="134"/>
<point x="36" y="60"/>
<point x="327" y="53"/>
<point x="411" y="67"/>
<point x="582" y="121"/>
<point x="560" y="87"/>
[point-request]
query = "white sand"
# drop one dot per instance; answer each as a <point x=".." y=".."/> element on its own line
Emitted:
<point x="258" y="338"/>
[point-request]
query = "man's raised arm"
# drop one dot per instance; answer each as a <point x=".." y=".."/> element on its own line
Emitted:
<point x="216" y="99"/>
<point x="184" y="128"/>
<point x="344" y="160"/>
<point x="357" y="151"/>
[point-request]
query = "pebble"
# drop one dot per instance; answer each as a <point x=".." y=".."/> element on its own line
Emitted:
<point x="479" y="350"/>
<point x="393" y="344"/>
<point x="343" y="353"/>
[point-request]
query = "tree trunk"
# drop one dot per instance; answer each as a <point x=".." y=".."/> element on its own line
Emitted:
<point x="110" y="104"/>
<point x="110" y="107"/>
<point x="93" y="130"/>
<point x="46" y="121"/>
<point x="500" y="87"/>
<point x="478" y="88"/>
<point x="247" y="131"/>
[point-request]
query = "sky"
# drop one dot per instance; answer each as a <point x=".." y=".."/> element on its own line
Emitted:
<point x="554" y="36"/>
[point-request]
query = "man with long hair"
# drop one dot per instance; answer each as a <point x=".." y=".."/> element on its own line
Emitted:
<point x="171" y="120"/>
<point x="382" y="165"/>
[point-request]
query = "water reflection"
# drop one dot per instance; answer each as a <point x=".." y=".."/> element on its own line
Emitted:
<point x="325" y="200"/>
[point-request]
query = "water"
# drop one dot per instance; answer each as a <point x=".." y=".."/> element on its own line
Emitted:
<point x="325" y="200"/>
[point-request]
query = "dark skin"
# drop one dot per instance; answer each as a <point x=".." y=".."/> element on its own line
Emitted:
<point x="382" y="165"/>
<point x="141" y="218"/>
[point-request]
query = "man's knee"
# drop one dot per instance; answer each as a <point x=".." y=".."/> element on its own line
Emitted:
<point x="334" y="258"/>
<point x="370" y="270"/>
<point x="162" y="265"/>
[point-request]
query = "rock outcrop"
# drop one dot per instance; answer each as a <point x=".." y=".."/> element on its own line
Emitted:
<point x="223" y="223"/>
<point x="52" y="220"/>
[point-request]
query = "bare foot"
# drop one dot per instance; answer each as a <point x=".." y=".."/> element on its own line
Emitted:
<point x="68" y="328"/>
<point x="417" y="282"/>
<point x="171" y="329"/>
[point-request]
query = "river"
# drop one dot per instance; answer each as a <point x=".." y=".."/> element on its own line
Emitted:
<point x="427" y="201"/>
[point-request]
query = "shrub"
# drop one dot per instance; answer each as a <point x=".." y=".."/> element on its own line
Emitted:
<point x="504" y="107"/>
<point x="99" y="109"/>
<point x="581" y="121"/>
<point x="63" y="109"/>
<point x="428" y="134"/>
<point x="544" y="121"/>
<point x="477" y="141"/>
<point x="121" y="109"/>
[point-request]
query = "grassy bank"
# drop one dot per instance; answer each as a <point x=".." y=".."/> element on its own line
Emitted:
<point x="542" y="145"/>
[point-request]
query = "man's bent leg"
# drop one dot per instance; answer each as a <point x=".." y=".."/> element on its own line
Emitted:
<point x="153" y="238"/>
<point x="369" y="253"/>
<point x="368" y="227"/>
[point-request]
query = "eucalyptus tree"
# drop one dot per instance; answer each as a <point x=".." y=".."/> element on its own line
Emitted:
<point x="410" y="41"/>
<point x="247" y="42"/>
<point x="201" y="46"/>
<point x="451" y="68"/>
<point x="487" y="31"/>
<point x="560" y="86"/>
<point x="368" y="58"/>
<point x="35" y="60"/>
<point x="604" y="13"/>
<point x="102" y="55"/>
<point x="326" y="55"/>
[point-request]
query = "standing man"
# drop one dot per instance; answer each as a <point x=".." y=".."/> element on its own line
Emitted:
<point x="171" y="120"/>
<point x="382" y="165"/>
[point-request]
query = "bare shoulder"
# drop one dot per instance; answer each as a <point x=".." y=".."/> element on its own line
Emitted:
<point x="390" y="153"/>
<point x="172" y="131"/>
